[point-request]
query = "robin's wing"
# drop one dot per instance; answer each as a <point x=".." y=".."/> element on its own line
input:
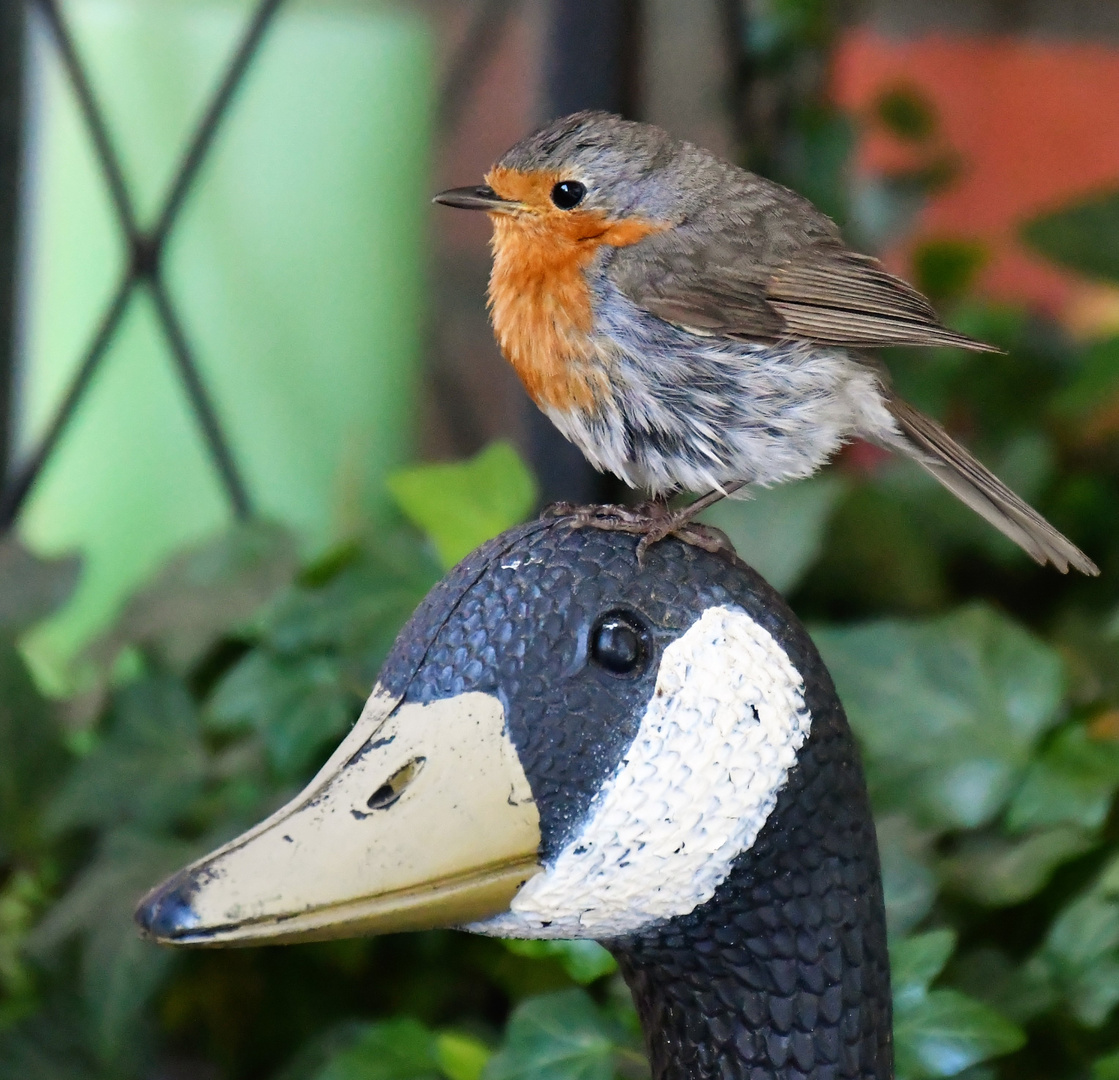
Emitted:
<point x="758" y="283"/>
<point x="838" y="297"/>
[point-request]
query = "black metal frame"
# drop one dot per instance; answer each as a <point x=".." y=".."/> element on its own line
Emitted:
<point x="11" y="154"/>
<point x="591" y="63"/>
<point x="145" y="265"/>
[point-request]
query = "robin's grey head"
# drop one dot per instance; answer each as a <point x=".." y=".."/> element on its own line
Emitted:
<point x="597" y="167"/>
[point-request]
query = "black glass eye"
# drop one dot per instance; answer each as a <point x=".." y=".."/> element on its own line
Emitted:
<point x="568" y="194"/>
<point x="618" y="643"/>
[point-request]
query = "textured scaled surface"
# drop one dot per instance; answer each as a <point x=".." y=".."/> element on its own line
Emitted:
<point x="784" y="971"/>
<point x="693" y="790"/>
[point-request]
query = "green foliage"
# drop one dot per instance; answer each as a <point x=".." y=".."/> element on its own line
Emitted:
<point x="948" y="710"/>
<point x="562" y="1036"/>
<point x="1083" y="237"/>
<point x="945" y="269"/>
<point x="779" y="531"/>
<point x="393" y="1050"/>
<point x="984" y="692"/>
<point x="906" y="112"/>
<point x="584" y="961"/>
<point x="940" y="1032"/>
<point x="461" y="505"/>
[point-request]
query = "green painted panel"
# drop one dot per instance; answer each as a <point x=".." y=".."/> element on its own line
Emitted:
<point x="296" y="267"/>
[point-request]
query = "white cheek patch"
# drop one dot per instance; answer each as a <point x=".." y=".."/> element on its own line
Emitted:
<point x="699" y="781"/>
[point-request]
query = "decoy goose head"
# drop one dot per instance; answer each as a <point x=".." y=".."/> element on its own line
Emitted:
<point x="569" y="742"/>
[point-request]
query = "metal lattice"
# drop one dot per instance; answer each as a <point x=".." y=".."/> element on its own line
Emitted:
<point x="146" y="243"/>
<point x="144" y="268"/>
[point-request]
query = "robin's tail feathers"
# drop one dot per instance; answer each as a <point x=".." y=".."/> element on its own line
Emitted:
<point x="936" y="451"/>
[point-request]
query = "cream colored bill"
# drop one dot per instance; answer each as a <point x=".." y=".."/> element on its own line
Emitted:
<point x="422" y="817"/>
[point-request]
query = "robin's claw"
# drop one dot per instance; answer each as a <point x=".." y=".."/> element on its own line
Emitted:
<point x="652" y="522"/>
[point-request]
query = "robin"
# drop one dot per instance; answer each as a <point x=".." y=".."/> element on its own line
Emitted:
<point x="691" y="326"/>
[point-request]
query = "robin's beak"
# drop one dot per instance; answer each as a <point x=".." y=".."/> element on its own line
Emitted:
<point x="477" y="198"/>
<point x="422" y="818"/>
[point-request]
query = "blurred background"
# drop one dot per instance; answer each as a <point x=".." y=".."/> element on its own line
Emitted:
<point x="251" y="409"/>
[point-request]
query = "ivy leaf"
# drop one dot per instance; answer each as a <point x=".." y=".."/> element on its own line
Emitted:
<point x="1083" y="236"/>
<point x="948" y="709"/>
<point x="297" y="704"/>
<point x="460" y="1056"/>
<point x="940" y="1032"/>
<point x="120" y="972"/>
<point x="32" y="757"/>
<point x="908" y="882"/>
<point x="398" y="1049"/>
<point x="1071" y="782"/>
<point x="462" y="505"/>
<point x="999" y="871"/>
<point x="1106" y="1068"/>
<point x="203" y="593"/>
<point x="946" y="1032"/>
<point x="916" y="961"/>
<point x="584" y="960"/>
<point x="779" y="531"/>
<point x="556" y="1037"/>
<point x="149" y="766"/>
<point x="32" y="587"/>
<point x="1081" y="951"/>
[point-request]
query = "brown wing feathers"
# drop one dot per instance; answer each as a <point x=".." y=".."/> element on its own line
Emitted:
<point x="935" y="450"/>
<point x="839" y="297"/>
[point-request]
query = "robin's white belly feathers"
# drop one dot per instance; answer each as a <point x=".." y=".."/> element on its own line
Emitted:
<point x="694" y="413"/>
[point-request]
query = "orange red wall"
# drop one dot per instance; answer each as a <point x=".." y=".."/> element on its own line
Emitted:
<point x="1036" y="123"/>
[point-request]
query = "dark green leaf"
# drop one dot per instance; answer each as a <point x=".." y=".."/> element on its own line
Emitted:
<point x="32" y="758"/>
<point x="462" y="505"/>
<point x="391" y="1050"/>
<point x="875" y="555"/>
<point x="296" y="704"/>
<point x="907" y="112"/>
<point x="584" y="960"/>
<point x="1021" y="992"/>
<point x="32" y="587"/>
<point x="947" y="1032"/>
<point x="945" y="269"/>
<point x="1083" y="236"/>
<point x="947" y="709"/>
<point x="1071" y="782"/>
<point x="779" y="531"/>
<point x="1081" y="950"/>
<point x="52" y="1045"/>
<point x="999" y="871"/>
<point x="202" y="594"/>
<point x="560" y="1036"/>
<point x="908" y="881"/>
<point x="149" y="766"/>
<point x="915" y="962"/>
<point x="120" y="971"/>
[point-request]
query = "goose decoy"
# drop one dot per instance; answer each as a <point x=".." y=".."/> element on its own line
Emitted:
<point x="567" y="741"/>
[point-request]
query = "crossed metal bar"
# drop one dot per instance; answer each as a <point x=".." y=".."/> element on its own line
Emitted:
<point x="144" y="268"/>
<point x="146" y="245"/>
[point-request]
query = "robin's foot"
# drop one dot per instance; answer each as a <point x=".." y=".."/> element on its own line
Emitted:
<point x="613" y="517"/>
<point x="652" y="521"/>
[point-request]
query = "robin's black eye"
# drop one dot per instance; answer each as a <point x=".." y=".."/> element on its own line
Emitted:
<point x="568" y="194"/>
<point x="619" y="643"/>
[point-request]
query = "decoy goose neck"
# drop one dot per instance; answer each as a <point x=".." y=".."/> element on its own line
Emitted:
<point x="569" y="741"/>
<point x="784" y="972"/>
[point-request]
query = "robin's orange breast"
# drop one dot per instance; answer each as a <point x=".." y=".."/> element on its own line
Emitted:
<point x="539" y="299"/>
